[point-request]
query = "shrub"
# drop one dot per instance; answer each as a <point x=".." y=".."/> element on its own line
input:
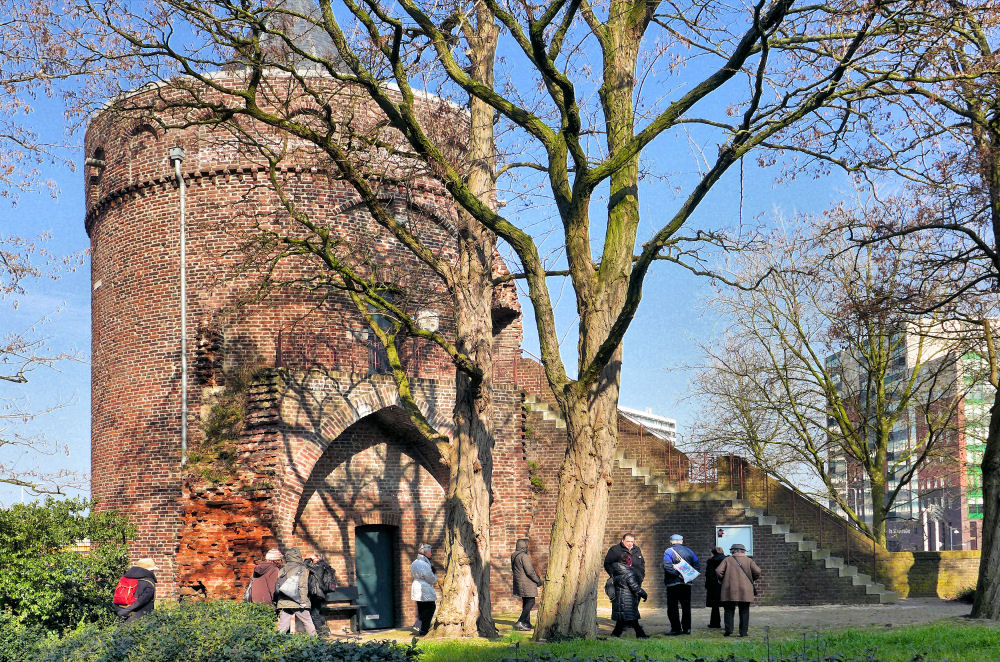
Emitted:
<point x="45" y="586"/>
<point x="18" y="642"/>
<point x="210" y="632"/>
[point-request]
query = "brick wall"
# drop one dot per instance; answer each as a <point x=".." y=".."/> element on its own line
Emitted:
<point x="929" y="574"/>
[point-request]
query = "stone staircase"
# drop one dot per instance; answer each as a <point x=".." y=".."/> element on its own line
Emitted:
<point x="532" y="403"/>
<point x="663" y="485"/>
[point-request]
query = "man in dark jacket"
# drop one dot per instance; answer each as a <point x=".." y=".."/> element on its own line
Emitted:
<point x="526" y="582"/>
<point x="325" y="579"/>
<point x="678" y="591"/>
<point x="627" y="545"/>
<point x="625" y="605"/>
<point x="713" y="587"/>
<point x="265" y="576"/>
<point x="145" y="591"/>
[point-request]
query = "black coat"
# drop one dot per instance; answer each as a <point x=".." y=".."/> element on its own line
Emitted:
<point x="614" y="555"/>
<point x="625" y="606"/>
<point x="526" y="580"/>
<point x="713" y="587"/>
<point x="145" y="593"/>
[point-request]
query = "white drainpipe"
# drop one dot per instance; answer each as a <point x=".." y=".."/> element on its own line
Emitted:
<point x="176" y="157"/>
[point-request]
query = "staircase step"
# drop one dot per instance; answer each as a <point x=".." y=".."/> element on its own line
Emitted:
<point x="794" y="537"/>
<point x="767" y="520"/>
<point x="808" y="546"/>
<point x="777" y="529"/>
<point x="834" y="562"/>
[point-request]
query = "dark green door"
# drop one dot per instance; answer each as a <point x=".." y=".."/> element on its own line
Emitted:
<point x="375" y="567"/>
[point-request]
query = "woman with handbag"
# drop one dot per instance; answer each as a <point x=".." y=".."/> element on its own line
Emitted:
<point x="737" y="572"/>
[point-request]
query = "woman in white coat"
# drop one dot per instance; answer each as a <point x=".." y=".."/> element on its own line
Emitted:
<point x="422" y="590"/>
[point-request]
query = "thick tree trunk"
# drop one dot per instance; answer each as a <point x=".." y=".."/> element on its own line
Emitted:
<point x="987" y="603"/>
<point x="465" y="609"/>
<point x="568" y="606"/>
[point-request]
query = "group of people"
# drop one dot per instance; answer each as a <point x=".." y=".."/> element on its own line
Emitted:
<point x="295" y="587"/>
<point x="729" y="584"/>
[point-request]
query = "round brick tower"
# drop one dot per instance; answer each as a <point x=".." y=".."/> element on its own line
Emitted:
<point x="322" y="445"/>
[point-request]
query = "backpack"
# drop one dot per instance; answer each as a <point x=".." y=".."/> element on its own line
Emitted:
<point x="291" y="587"/>
<point x="316" y="589"/>
<point x="610" y="590"/>
<point x="125" y="592"/>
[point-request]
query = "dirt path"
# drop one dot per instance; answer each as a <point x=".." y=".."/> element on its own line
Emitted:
<point x="822" y="617"/>
<point x="783" y="621"/>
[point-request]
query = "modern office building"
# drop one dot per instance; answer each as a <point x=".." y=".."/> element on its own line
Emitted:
<point x="940" y="507"/>
<point x="661" y="426"/>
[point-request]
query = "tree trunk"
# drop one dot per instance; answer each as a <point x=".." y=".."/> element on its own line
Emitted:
<point x="466" y="608"/>
<point x="987" y="603"/>
<point x="568" y="606"/>
<point x="466" y="581"/>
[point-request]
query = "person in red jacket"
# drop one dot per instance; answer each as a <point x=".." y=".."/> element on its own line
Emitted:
<point x="265" y="576"/>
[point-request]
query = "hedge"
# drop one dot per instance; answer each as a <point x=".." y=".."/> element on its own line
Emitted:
<point x="199" y="632"/>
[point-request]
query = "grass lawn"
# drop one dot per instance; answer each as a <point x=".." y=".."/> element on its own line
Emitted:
<point x="953" y="640"/>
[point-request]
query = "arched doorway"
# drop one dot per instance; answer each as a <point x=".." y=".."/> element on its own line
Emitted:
<point x="376" y="557"/>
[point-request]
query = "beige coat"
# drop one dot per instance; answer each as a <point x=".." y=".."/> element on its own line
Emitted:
<point x="736" y="586"/>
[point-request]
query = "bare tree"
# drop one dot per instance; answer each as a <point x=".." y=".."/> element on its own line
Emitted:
<point x="39" y="63"/>
<point x="933" y="129"/>
<point x="822" y="379"/>
<point x="758" y="76"/>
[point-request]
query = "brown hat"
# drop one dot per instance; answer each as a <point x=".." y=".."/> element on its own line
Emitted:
<point x="737" y="547"/>
<point x="146" y="564"/>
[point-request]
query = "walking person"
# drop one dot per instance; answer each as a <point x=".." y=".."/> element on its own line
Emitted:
<point x="265" y="578"/>
<point x="291" y="594"/>
<point x="713" y="587"/>
<point x="135" y="595"/>
<point x="625" y="604"/>
<point x="422" y="590"/>
<point x="737" y="573"/>
<point x="678" y="591"/>
<point x="526" y="582"/>
<point x="322" y="580"/>
<point x="627" y="544"/>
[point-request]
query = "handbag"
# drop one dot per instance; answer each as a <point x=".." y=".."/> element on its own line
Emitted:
<point x="749" y="576"/>
<point x="687" y="572"/>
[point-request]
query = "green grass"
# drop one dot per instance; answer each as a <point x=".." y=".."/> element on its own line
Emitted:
<point x="952" y="640"/>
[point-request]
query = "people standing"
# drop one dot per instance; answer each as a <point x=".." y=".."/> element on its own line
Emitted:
<point x="291" y="594"/>
<point x="625" y="605"/>
<point x="265" y="577"/>
<point x="422" y="590"/>
<point x="526" y="582"/>
<point x="713" y="587"/>
<point x="678" y="591"/>
<point x="324" y="579"/>
<point x="135" y="595"/>
<point x="737" y="573"/>
<point x="627" y="544"/>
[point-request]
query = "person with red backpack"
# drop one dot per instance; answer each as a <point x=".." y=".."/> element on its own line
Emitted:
<point x="135" y="594"/>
